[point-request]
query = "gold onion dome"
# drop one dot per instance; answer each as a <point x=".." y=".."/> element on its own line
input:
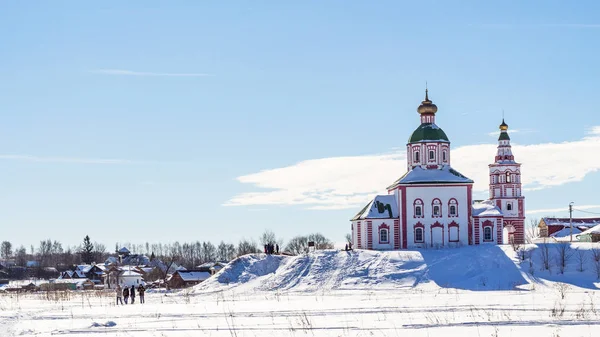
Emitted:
<point x="503" y="126"/>
<point x="427" y="107"/>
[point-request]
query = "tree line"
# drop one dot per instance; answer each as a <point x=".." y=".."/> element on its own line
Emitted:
<point x="52" y="253"/>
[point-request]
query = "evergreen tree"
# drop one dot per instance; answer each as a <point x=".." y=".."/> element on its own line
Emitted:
<point x="87" y="251"/>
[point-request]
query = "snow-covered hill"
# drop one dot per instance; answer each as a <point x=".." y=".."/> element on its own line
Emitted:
<point x="472" y="268"/>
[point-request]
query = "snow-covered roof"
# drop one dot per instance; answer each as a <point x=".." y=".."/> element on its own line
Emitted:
<point x="565" y="232"/>
<point x="124" y="250"/>
<point x="84" y="267"/>
<point x="130" y="273"/>
<point x="485" y="208"/>
<point x="593" y="230"/>
<point x="381" y="207"/>
<point x="587" y="222"/>
<point x="443" y="175"/>
<point x="190" y="276"/>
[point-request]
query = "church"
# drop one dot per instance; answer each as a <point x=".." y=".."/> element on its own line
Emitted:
<point x="432" y="204"/>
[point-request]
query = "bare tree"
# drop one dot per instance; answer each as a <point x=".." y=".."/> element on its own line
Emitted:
<point x="596" y="259"/>
<point x="545" y="255"/>
<point x="209" y="251"/>
<point x="247" y="247"/>
<point x="21" y="256"/>
<point x="297" y="245"/>
<point x="564" y="255"/>
<point x="268" y="237"/>
<point x="348" y="237"/>
<point x="321" y="242"/>
<point x="6" y="250"/>
<point x="532" y="232"/>
<point x="99" y="252"/>
<point x="581" y="257"/>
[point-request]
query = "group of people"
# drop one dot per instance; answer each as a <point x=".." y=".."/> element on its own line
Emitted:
<point x="271" y="248"/>
<point x="125" y="293"/>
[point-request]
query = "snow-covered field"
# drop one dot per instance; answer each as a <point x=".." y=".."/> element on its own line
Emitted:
<point x="470" y="291"/>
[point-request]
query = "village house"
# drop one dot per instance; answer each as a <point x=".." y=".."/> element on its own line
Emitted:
<point x="557" y="228"/>
<point x="188" y="278"/>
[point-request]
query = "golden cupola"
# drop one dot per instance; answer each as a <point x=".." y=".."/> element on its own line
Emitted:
<point x="427" y="107"/>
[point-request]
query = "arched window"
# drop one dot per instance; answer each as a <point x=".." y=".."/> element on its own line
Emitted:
<point x="383" y="236"/>
<point x="418" y="205"/>
<point x="509" y="206"/>
<point x="416" y="156"/>
<point x="444" y="155"/>
<point x="487" y="234"/>
<point x="508" y="177"/>
<point x="453" y="207"/>
<point x="419" y="235"/>
<point x="431" y="155"/>
<point x="436" y="208"/>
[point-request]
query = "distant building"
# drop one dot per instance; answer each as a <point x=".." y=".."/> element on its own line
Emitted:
<point x="188" y="278"/>
<point x="590" y="235"/>
<point x="550" y="227"/>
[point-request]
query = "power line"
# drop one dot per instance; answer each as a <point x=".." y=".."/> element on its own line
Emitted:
<point x="578" y="210"/>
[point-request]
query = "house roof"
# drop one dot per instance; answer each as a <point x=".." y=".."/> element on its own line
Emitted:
<point x="485" y="209"/>
<point x="193" y="275"/>
<point x="587" y="222"/>
<point x="124" y="250"/>
<point x="443" y="175"/>
<point x="85" y="267"/>
<point x="565" y="232"/>
<point x="130" y="273"/>
<point x="381" y="207"/>
<point x="593" y="230"/>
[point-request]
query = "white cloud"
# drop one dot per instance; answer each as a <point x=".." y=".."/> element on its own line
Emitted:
<point x="141" y="73"/>
<point x="66" y="160"/>
<point x="349" y="182"/>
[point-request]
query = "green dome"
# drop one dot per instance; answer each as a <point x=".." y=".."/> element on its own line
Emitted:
<point x="426" y="132"/>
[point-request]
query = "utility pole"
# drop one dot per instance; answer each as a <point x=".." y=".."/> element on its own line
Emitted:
<point x="571" y="220"/>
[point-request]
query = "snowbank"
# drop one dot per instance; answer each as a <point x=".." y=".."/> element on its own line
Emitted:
<point x="471" y="268"/>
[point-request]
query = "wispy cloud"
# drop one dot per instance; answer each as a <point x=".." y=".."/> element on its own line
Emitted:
<point x="121" y="72"/>
<point x="71" y="160"/>
<point x="561" y="209"/>
<point x="349" y="182"/>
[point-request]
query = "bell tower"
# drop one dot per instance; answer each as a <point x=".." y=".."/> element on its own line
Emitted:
<point x="506" y="189"/>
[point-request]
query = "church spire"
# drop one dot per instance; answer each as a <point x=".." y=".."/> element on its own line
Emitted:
<point x="427" y="109"/>
<point x="504" y="148"/>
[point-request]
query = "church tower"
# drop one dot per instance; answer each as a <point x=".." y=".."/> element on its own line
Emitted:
<point x="506" y="190"/>
<point x="428" y="146"/>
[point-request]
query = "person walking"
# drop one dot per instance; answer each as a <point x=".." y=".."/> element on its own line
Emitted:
<point x="119" y="292"/>
<point x="132" y="294"/>
<point x="141" y="291"/>
<point x="126" y="294"/>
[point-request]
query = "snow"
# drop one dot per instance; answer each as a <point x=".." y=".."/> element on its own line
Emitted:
<point x="486" y="208"/>
<point x="565" y="232"/>
<point x="593" y="230"/>
<point x="371" y="211"/>
<point x="194" y="275"/>
<point x="419" y="175"/>
<point x="468" y="291"/>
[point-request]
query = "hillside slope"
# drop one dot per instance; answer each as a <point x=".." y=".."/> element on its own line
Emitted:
<point x="472" y="268"/>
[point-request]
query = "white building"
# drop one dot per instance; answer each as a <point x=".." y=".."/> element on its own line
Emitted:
<point x="431" y="205"/>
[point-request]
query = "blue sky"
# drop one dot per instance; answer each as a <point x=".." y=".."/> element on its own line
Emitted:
<point x="151" y="121"/>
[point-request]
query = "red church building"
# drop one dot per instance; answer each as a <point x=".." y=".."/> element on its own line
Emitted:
<point x="432" y="205"/>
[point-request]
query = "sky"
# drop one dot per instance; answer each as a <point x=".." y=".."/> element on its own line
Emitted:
<point x="194" y="120"/>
